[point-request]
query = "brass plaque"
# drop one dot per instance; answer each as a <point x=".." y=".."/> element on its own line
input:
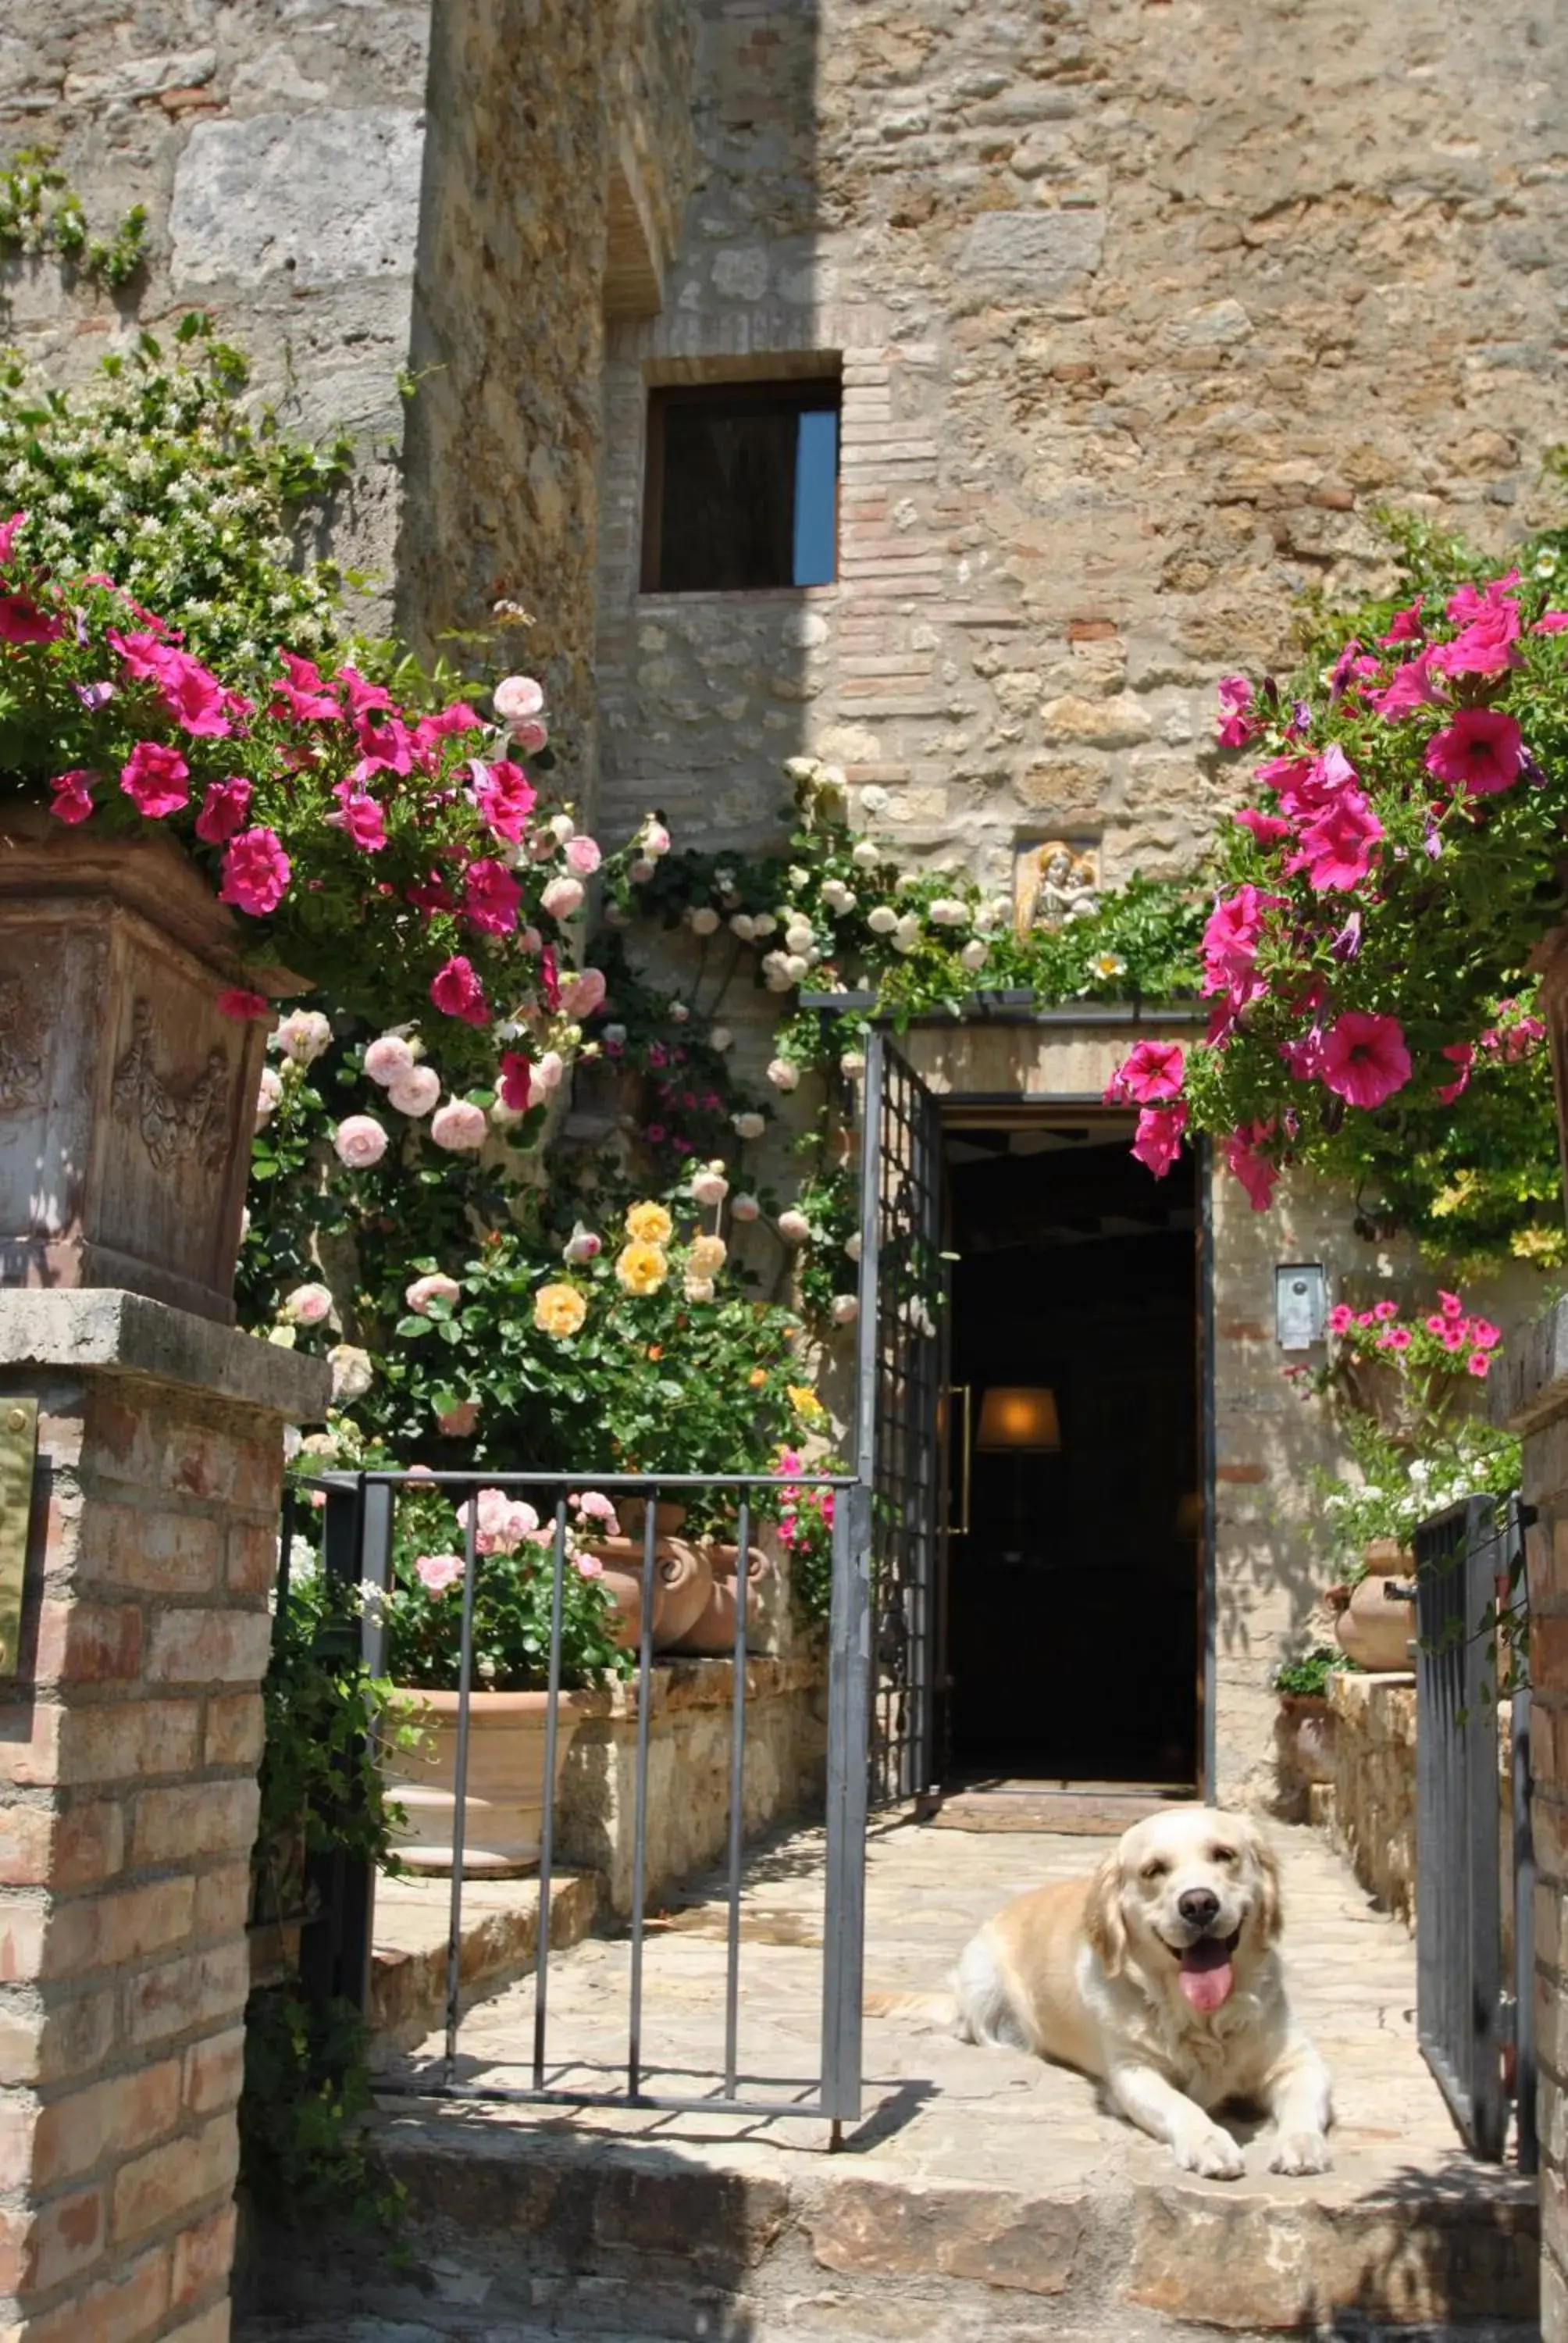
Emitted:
<point x="18" y="1449"/>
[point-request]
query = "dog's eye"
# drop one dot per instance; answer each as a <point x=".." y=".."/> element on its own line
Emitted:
<point x="1156" y="1869"/>
<point x="1221" y="1854"/>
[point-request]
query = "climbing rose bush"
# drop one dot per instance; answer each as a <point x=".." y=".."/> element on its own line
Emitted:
<point x="1377" y="903"/>
<point x="399" y="860"/>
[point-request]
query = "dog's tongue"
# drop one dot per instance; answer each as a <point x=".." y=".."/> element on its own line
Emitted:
<point x="1206" y="1974"/>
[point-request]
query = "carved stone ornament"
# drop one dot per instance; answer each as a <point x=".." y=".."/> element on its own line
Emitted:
<point x="1057" y="882"/>
<point x="21" y="1059"/>
<point x="174" y="1125"/>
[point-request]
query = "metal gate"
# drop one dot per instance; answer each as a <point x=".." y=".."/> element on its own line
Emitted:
<point x="898" y="1446"/>
<point x="1467" y="1561"/>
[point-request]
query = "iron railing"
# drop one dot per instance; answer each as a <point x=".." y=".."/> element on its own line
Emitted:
<point x="1467" y="1572"/>
<point x="359" y="1522"/>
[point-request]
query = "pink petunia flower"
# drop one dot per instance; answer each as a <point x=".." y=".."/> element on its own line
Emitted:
<point x="1462" y="1055"/>
<point x="456" y="991"/>
<point x="490" y="897"/>
<point x="1364" y="1058"/>
<point x="1486" y="645"/>
<point x="223" y="810"/>
<point x="360" y="817"/>
<point x="8" y="530"/>
<point x="1450" y="1304"/>
<point x="1235" y="727"/>
<point x="505" y="797"/>
<point x="1481" y="751"/>
<point x="1410" y="689"/>
<point x="1453" y="1338"/>
<point x="72" y="797"/>
<point x="1337" y="846"/>
<point x="255" y="873"/>
<point x="1484" y="1334"/>
<point x="156" y="779"/>
<point x="1478" y="1363"/>
<point x="516" y="1082"/>
<point x="1399" y="1338"/>
<point x="1267" y="828"/>
<point x="1151" y="1071"/>
<point x="1405" y="626"/>
<point x="1158" y="1141"/>
<point x="1342" y="1318"/>
<point x="1551" y="622"/>
<point x="1247" y="1163"/>
<point x="1435" y="1322"/>
<point x="21" y="621"/>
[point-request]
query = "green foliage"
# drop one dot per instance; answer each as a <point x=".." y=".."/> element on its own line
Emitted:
<point x="40" y="212"/>
<point x="1309" y="1677"/>
<point x="306" y="2152"/>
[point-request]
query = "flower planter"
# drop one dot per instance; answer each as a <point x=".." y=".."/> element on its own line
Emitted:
<point x="682" y="1582"/>
<point x="711" y="1633"/>
<point x="126" y="1098"/>
<point x="1304" y="1737"/>
<point x="1370" y="1628"/>
<point x="503" y="1811"/>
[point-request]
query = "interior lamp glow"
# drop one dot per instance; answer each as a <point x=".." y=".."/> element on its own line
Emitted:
<point x="1020" y="1416"/>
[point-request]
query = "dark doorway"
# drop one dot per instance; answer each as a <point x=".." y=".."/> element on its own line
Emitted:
<point x="1072" y="1610"/>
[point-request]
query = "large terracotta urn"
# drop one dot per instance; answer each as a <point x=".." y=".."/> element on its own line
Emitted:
<point x="128" y="1098"/>
<point x="711" y="1634"/>
<point x="682" y="1583"/>
<point x="1370" y="1627"/>
<point x="503" y="1806"/>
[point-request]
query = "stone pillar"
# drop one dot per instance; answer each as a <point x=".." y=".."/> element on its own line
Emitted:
<point x="130" y="1736"/>
<point x="1534" y="1400"/>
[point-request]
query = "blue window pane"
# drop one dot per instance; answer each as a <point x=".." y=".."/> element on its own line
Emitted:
<point x="816" y="497"/>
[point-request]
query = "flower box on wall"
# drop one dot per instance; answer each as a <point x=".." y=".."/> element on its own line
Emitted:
<point x="127" y="1096"/>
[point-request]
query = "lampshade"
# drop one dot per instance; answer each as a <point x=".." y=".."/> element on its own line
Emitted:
<point x="1019" y="1415"/>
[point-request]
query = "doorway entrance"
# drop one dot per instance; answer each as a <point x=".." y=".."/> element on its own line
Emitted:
<point x="1070" y="1643"/>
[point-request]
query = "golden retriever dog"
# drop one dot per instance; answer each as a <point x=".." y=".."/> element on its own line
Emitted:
<point x="1160" y="1977"/>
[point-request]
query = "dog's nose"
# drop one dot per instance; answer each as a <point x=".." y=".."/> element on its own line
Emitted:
<point x="1198" y="1905"/>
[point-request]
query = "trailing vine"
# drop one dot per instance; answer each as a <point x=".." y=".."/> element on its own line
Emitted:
<point x="41" y="213"/>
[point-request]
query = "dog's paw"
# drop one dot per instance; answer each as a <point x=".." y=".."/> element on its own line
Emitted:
<point x="1300" y="2151"/>
<point x="1212" y="2153"/>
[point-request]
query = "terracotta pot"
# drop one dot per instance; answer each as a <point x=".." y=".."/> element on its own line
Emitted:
<point x="632" y="1513"/>
<point x="505" y="1804"/>
<point x="1370" y="1629"/>
<point x="126" y="1100"/>
<point x="622" y="1565"/>
<point x="1304" y="1735"/>
<point x="685" y="1574"/>
<point x="712" y="1634"/>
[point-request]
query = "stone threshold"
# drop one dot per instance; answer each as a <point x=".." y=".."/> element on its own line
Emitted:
<point x="501" y="1935"/>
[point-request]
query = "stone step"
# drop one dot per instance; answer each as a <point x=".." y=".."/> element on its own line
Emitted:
<point x="519" y="2232"/>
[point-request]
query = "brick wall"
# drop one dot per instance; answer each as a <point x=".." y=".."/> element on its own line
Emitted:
<point x="129" y="1742"/>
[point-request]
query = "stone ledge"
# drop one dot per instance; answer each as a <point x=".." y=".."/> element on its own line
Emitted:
<point x="105" y="1329"/>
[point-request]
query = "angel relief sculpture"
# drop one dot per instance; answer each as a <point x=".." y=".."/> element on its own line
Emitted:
<point x="1056" y="883"/>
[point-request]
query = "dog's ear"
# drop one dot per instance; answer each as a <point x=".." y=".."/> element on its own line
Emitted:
<point x="1103" y="1922"/>
<point x="1271" y="1910"/>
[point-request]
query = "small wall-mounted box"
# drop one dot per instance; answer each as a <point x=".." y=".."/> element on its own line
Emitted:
<point x="1301" y="1304"/>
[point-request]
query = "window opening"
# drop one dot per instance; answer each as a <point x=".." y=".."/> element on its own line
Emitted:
<point x="742" y="487"/>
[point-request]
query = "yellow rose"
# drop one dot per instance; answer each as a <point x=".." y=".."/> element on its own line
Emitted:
<point x="559" y="1309"/>
<point x="708" y="1253"/>
<point x="650" y="1224"/>
<point x="642" y="1268"/>
<point x="805" y="1402"/>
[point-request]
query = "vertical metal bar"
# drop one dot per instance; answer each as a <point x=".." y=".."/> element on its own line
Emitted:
<point x="1523" y="1940"/>
<point x="844" y="1918"/>
<point x="460" y="1785"/>
<point x="548" y="1819"/>
<point x="870" y="1250"/>
<point x="639" y="1800"/>
<point x="737" y="1797"/>
<point x="375" y="1570"/>
<point x="1208" y="1759"/>
<point x="1484" y="1835"/>
<point x="285" y="1521"/>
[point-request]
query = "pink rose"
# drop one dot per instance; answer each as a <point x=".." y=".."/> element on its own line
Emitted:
<point x="516" y="1085"/>
<point x="359" y="1142"/>
<point x="583" y="993"/>
<point x="595" y="1507"/>
<point x="458" y="1127"/>
<point x="456" y="991"/>
<point x="547" y="1073"/>
<point x="308" y="1305"/>
<point x="255" y="873"/>
<point x="583" y="856"/>
<point x="425" y="1290"/>
<point x="389" y="1060"/>
<point x="156" y="779"/>
<point x="415" y="1092"/>
<point x="562" y="898"/>
<point x="587" y="1565"/>
<point x="223" y="810"/>
<point x="438" y="1572"/>
<point x="517" y="697"/>
<point x="269" y="1093"/>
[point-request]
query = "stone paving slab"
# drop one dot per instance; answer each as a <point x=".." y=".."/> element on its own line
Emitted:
<point x="500" y="1936"/>
<point x="981" y="2186"/>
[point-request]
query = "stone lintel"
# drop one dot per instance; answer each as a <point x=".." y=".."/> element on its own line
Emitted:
<point x="107" y="1331"/>
<point x="1532" y="1390"/>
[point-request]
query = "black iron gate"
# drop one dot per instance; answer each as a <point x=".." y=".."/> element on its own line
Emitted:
<point x="1474" y="2015"/>
<point x="902" y="1311"/>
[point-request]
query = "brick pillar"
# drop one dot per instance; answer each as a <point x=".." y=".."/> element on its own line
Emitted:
<point x="1533" y="1399"/>
<point x="129" y="1737"/>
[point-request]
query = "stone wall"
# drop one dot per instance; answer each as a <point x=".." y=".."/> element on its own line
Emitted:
<point x="1371" y="1811"/>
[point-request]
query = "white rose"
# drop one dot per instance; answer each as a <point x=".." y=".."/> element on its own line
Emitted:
<point x="352" y="1373"/>
<point x="744" y="1208"/>
<point x="763" y="924"/>
<point x="655" y="838"/>
<point x="799" y="937"/>
<point x="308" y="1305"/>
<point x="749" y="1125"/>
<point x="721" y="1038"/>
<point x="865" y="854"/>
<point x="744" y="926"/>
<point x="799" y="769"/>
<point x="882" y="920"/>
<point x="616" y="1035"/>
<point x="852" y="1245"/>
<point x="562" y="827"/>
<point x="678" y="1012"/>
<point x="874" y="800"/>
<point x="846" y="1310"/>
<point x="704" y="920"/>
<point x="302" y="1035"/>
<point x="798" y="879"/>
<point x="710" y="1187"/>
<point x="269" y="1093"/>
<point x="947" y="912"/>
<point x="783" y="1075"/>
<point x="417" y="1093"/>
<point x="794" y="1227"/>
<point x="837" y="896"/>
<point x="907" y="933"/>
<point x="563" y="898"/>
<point x="853" y="1063"/>
<point x="796" y="966"/>
<point x="974" y="955"/>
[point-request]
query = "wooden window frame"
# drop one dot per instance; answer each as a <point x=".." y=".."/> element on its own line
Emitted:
<point x="794" y="394"/>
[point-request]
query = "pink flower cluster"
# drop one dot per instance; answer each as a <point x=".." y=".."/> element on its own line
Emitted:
<point x="1451" y="1337"/>
<point x="501" y="1523"/>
